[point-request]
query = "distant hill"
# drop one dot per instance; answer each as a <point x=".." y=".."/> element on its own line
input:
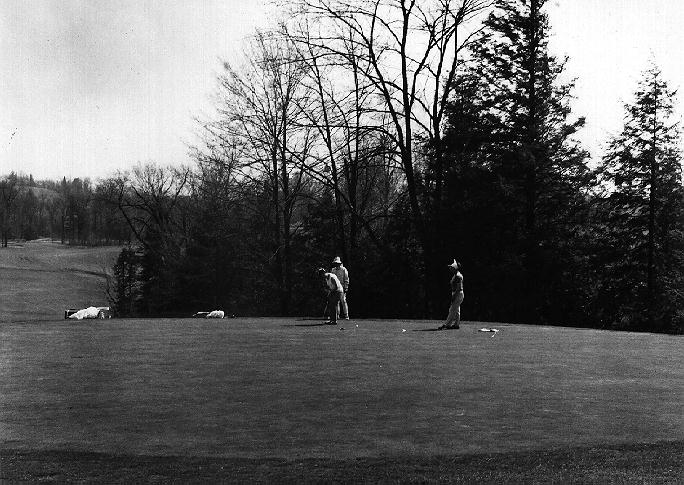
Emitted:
<point x="40" y="279"/>
<point x="40" y="192"/>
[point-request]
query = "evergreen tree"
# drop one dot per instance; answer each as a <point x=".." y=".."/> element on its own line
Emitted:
<point x="518" y="133"/>
<point x="644" y="244"/>
<point x="126" y="291"/>
<point x="9" y="191"/>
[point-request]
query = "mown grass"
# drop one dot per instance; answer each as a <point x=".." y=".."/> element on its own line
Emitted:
<point x="643" y="463"/>
<point x="287" y="400"/>
<point x="40" y="279"/>
<point x="284" y="400"/>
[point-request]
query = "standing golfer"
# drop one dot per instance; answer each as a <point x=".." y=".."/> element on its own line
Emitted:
<point x="343" y="275"/>
<point x="335" y="290"/>
<point x="454" y="318"/>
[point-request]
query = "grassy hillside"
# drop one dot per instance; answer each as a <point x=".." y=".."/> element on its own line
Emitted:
<point x="39" y="279"/>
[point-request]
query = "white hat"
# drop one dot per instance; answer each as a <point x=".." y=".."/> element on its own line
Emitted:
<point x="337" y="260"/>
<point x="454" y="265"/>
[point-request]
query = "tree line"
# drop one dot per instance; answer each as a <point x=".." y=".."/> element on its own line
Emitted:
<point x="398" y="135"/>
<point x="73" y="211"/>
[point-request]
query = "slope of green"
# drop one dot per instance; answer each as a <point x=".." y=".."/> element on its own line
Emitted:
<point x="39" y="279"/>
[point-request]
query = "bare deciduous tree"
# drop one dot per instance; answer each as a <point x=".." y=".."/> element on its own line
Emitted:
<point x="150" y="198"/>
<point x="407" y="52"/>
<point x="259" y="117"/>
<point x="352" y="156"/>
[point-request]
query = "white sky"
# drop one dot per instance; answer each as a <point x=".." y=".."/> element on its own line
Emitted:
<point x="610" y="43"/>
<point x="91" y="86"/>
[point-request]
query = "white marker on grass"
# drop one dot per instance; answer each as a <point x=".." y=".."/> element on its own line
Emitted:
<point x="493" y="330"/>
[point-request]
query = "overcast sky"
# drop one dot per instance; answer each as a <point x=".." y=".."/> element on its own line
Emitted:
<point x="91" y="86"/>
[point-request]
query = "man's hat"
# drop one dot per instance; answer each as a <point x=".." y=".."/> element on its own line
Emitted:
<point x="454" y="265"/>
<point x="337" y="260"/>
<point x="320" y="270"/>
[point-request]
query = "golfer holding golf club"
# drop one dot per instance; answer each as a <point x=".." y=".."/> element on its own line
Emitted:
<point x="335" y="291"/>
<point x="454" y="318"/>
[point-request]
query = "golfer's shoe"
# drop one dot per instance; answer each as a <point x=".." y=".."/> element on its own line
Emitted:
<point x="330" y="323"/>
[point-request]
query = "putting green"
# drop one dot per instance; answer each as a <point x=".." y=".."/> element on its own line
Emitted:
<point x="293" y="388"/>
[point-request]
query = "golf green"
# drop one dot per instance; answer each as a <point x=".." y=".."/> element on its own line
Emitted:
<point x="288" y="388"/>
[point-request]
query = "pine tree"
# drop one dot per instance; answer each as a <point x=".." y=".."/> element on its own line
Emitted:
<point x="644" y="211"/>
<point x="126" y="291"/>
<point x="523" y="137"/>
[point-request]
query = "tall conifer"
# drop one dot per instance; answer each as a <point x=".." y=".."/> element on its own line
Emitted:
<point x="524" y="133"/>
<point x="644" y="243"/>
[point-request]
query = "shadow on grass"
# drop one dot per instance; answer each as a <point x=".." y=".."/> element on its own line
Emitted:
<point x="628" y="463"/>
<point x="307" y="325"/>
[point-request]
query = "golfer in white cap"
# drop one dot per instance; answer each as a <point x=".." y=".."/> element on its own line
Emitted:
<point x="454" y="318"/>
<point x="343" y="275"/>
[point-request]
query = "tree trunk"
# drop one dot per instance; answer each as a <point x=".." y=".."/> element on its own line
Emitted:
<point x="530" y="160"/>
<point x="276" y="228"/>
<point x="339" y="211"/>
<point x="653" y="174"/>
<point x="287" y="216"/>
